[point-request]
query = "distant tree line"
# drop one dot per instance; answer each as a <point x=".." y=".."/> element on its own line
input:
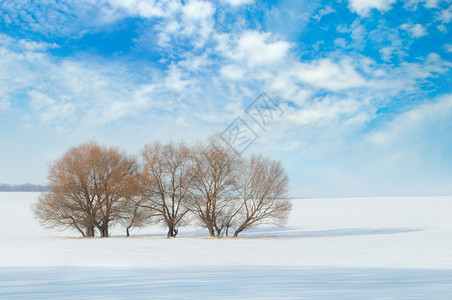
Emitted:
<point x="27" y="187"/>
<point x="93" y="187"/>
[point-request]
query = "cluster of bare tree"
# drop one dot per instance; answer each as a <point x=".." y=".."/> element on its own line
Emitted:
<point x="96" y="187"/>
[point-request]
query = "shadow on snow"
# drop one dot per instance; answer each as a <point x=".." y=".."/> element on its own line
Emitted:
<point x="296" y="232"/>
<point x="293" y="232"/>
<point x="255" y="282"/>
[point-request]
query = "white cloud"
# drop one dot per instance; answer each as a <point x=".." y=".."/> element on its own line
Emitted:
<point x="39" y="100"/>
<point x="395" y="49"/>
<point x="232" y="72"/>
<point x="427" y="3"/>
<point x="448" y="47"/>
<point x="82" y="93"/>
<point x="36" y="46"/>
<point x="192" y="22"/>
<point x="62" y="91"/>
<point x="391" y="41"/>
<point x="138" y="101"/>
<point x="300" y="82"/>
<point x="442" y="28"/>
<point x="75" y="18"/>
<point x="238" y="2"/>
<point x="357" y="31"/>
<point x="446" y="15"/>
<point x="25" y="45"/>
<point x="49" y="109"/>
<point x="166" y="32"/>
<point x="257" y="49"/>
<point x="407" y="124"/>
<point x="206" y="77"/>
<point x="145" y="8"/>
<point x="195" y="63"/>
<point x="57" y="18"/>
<point x="176" y="80"/>
<point x="326" y="74"/>
<point x="416" y="30"/>
<point x="16" y="68"/>
<point x="323" y="111"/>
<point x="323" y="12"/>
<point x="340" y="42"/>
<point x="198" y="21"/>
<point x="407" y="77"/>
<point x="101" y="94"/>
<point x="363" y="7"/>
<point x="431" y="3"/>
<point x="4" y="104"/>
<point x="198" y="10"/>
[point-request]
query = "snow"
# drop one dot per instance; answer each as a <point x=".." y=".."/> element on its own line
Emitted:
<point x="341" y="248"/>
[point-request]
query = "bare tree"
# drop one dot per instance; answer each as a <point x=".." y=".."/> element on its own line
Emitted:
<point x="135" y="213"/>
<point x="227" y="218"/>
<point x="88" y="189"/>
<point x="95" y="187"/>
<point x="261" y="186"/>
<point x="167" y="183"/>
<point x="214" y="171"/>
<point x="57" y="212"/>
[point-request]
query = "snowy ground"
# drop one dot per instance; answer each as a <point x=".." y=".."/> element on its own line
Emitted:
<point x="356" y="248"/>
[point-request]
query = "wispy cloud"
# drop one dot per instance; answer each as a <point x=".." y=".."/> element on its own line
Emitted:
<point x="448" y="47"/>
<point x="254" y="49"/>
<point x="408" y="124"/>
<point x="416" y="30"/>
<point x="446" y="15"/>
<point x="238" y="2"/>
<point x="351" y="75"/>
<point x="363" y="7"/>
<point x="427" y="3"/>
<point x="323" y="12"/>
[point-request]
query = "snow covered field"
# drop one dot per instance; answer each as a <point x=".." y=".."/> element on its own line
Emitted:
<point x="355" y="248"/>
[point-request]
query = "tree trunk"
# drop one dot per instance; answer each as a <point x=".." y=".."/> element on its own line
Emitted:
<point x="103" y="231"/>
<point x="172" y="231"/>
<point x="218" y="232"/>
<point x="103" y="228"/>
<point x="211" y="231"/>
<point x="90" y="231"/>
<point x="240" y="229"/>
<point x="127" y="231"/>
<point x="243" y="226"/>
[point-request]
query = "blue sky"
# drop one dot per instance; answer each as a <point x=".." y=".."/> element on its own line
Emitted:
<point x="364" y="86"/>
